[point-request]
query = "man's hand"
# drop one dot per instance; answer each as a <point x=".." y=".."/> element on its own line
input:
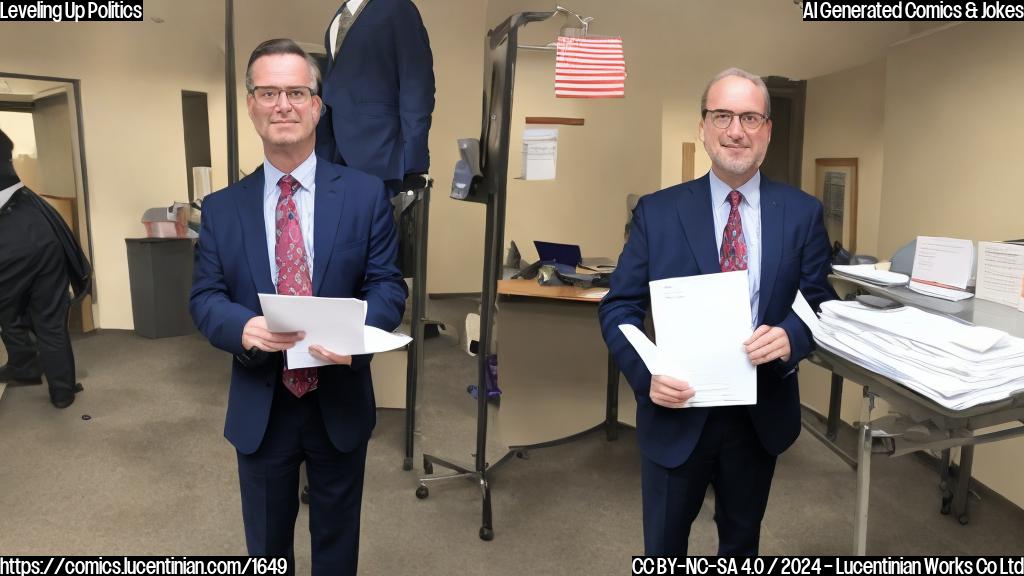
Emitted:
<point x="321" y="353"/>
<point x="669" y="392"/>
<point x="255" y="334"/>
<point x="767" y="343"/>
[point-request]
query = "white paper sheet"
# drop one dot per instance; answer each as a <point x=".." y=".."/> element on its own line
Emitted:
<point x="540" y="153"/>
<point x="337" y="324"/>
<point x="804" y="311"/>
<point x="1000" y="272"/>
<point x="701" y="323"/>
<point x="869" y="273"/>
<point x="946" y="262"/>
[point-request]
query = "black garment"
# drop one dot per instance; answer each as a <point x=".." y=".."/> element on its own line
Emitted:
<point x="34" y="282"/>
<point x="22" y="354"/>
<point x="729" y="457"/>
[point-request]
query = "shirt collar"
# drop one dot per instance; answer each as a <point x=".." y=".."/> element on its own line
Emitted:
<point x="751" y="190"/>
<point x="6" y="193"/>
<point x="305" y="173"/>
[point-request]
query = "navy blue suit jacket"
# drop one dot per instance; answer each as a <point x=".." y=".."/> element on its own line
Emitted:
<point x="673" y="234"/>
<point x="354" y="257"/>
<point x="380" y="93"/>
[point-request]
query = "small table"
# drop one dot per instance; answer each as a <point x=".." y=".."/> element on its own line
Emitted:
<point x="960" y="425"/>
<point x="557" y="378"/>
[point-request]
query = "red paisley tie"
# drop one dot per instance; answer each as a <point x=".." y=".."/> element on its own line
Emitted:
<point x="734" y="247"/>
<point x="293" y="275"/>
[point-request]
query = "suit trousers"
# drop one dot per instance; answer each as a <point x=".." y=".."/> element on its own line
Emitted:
<point x="22" y="351"/>
<point x="730" y="458"/>
<point x="269" y="480"/>
<point x="34" y="292"/>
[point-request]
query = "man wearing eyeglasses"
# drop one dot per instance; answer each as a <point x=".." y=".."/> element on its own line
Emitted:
<point x="732" y="218"/>
<point x="301" y="226"/>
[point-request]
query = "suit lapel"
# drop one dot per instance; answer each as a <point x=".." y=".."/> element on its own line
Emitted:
<point x="330" y="200"/>
<point x="254" y="232"/>
<point x="772" y="220"/>
<point x="694" y="209"/>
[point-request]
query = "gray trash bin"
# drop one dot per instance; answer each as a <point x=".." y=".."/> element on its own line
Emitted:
<point x="160" y="273"/>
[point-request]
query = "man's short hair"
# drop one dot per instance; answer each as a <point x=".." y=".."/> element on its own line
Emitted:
<point x="742" y="74"/>
<point x="6" y="147"/>
<point x="282" y="46"/>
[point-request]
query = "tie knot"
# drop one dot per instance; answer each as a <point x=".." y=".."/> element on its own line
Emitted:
<point x="287" y="184"/>
<point x="734" y="198"/>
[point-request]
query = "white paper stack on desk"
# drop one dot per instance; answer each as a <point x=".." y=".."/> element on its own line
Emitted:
<point x="955" y="364"/>
<point x="868" y="273"/>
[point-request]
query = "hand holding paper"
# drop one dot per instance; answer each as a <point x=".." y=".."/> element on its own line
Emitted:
<point x="335" y="325"/>
<point x="702" y="323"/>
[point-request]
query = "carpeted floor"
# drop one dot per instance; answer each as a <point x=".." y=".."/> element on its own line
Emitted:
<point x="150" y="473"/>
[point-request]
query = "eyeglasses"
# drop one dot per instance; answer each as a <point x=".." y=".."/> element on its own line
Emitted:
<point x="269" y="95"/>
<point x="722" y="119"/>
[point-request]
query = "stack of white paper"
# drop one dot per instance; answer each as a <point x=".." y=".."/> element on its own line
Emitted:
<point x="955" y="364"/>
<point x="868" y="273"/>
<point x="540" y="153"/>
<point x="701" y="323"/>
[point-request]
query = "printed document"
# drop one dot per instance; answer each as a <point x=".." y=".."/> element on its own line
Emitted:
<point x="337" y="324"/>
<point x="1000" y="272"/>
<point x="942" y="267"/>
<point x="701" y="323"/>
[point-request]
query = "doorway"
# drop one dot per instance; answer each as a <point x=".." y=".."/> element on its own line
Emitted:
<point x="784" y="159"/>
<point x="42" y="116"/>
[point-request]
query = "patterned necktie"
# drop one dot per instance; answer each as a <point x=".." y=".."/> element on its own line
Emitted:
<point x="345" y="20"/>
<point x="734" y="247"/>
<point x="292" y="271"/>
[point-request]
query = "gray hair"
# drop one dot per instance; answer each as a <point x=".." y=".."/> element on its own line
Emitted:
<point x="742" y="74"/>
<point x="282" y="46"/>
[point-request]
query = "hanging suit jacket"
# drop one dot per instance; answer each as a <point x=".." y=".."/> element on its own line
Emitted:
<point x="379" y="93"/>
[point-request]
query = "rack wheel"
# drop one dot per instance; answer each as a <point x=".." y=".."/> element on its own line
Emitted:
<point x="407" y="464"/>
<point x="963" y="519"/>
<point x="304" y="497"/>
<point x="428" y="467"/>
<point x="486" y="534"/>
<point x="947" y="503"/>
<point x="422" y="491"/>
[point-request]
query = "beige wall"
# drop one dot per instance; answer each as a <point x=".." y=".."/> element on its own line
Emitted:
<point x="948" y="162"/>
<point x="844" y="118"/>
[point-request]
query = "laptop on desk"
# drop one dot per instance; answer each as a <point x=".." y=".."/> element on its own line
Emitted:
<point x="570" y="255"/>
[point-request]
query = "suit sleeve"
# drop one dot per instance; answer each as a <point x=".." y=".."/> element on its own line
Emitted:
<point x="415" y="86"/>
<point x="383" y="286"/>
<point x="214" y="314"/>
<point x="815" y="263"/>
<point x="627" y="302"/>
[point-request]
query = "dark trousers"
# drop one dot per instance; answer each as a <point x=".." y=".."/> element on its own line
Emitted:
<point x="730" y="458"/>
<point x="22" y="352"/>
<point x="34" y="292"/>
<point x="269" y="480"/>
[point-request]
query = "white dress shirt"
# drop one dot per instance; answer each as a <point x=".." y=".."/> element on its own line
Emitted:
<point x="750" y="215"/>
<point x="6" y="193"/>
<point x="304" y="196"/>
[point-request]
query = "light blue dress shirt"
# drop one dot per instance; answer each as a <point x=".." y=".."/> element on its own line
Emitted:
<point x="305" y="173"/>
<point x="750" y="216"/>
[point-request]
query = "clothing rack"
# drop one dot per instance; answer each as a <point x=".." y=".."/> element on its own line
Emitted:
<point x="581" y="31"/>
<point x="490" y="188"/>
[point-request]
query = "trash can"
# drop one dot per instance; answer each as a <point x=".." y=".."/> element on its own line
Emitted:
<point x="160" y="274"/>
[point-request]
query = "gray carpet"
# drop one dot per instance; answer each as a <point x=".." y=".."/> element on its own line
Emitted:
<point x="150" y="473"/>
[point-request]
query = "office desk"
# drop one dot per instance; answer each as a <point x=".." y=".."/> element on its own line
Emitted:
<point x="959" y="426"/>
<point x="554" y="370"/>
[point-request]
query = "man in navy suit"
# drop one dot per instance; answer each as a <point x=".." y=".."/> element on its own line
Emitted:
<point x="730" y="219"/>
<point x="265" y="234"/>
<point x="379" y="90"/>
